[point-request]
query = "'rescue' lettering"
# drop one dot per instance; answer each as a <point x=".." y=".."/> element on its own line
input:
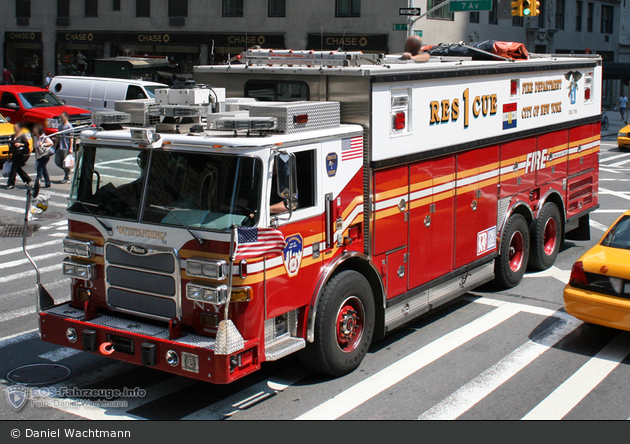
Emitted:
<point x="535" y="161"/>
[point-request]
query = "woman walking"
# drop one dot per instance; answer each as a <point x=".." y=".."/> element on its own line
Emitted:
<point x="20" y="152"/>
<point x="42" y="145"/>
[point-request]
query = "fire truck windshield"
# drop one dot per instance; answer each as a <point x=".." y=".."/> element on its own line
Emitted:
<point x="197" y="190"/>
<point x="203" y="190"/>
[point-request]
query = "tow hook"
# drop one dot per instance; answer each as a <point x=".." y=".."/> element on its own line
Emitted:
<point x="107" y="348"/>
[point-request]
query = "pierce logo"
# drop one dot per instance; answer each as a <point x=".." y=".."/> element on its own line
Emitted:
<point x="138" y="251"/>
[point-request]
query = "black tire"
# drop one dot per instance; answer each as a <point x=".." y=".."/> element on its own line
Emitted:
<point x="325" y="354"/>
<point x="509" y="268"/>
<point x="545" y="248"/>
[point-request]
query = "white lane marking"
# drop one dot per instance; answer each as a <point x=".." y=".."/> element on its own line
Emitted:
<point x="58" y="235"/>
<point x="476" y="390"/>
<point x="54" y="193"/>
<point x="16" y="313"/>
<point x="19" y="337"/>
<point x="600" y="211"/>
<point x="356" y="395"/>
<point x="618" y="164"/>
<point x="59" y="354"/>
<point x="154" y="392"/>
<point x="247" y="397"/>
<point x="614" y="193"/>
<point x="13" y="209"/>
<point x="26" y="261"/>
<point x="31" y="291"/>
<point x="109" y="162"/>
<point x="598" y="226"/>
<point x="30" y="247"/>
<point x="572" y="391"/>
<point x="531" y="309"/>
<point x="25" y="274"/>
<point x="613" y="180"/>
<point x="60" y="224"/>
<point x="609" y="171"/>
<point x="11" y="197"/>
<point x="618" y="156"/>
<point x="554" y="272"/>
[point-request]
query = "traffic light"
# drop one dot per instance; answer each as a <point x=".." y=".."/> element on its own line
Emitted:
<point x="526" y="8"/>
<point x="535" y="8"/>
<point x="517" y="8"/>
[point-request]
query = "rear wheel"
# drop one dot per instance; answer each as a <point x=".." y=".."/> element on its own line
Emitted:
<point x="546" y="238"/>
<point x="511" y="264"/>
<point x="344" y="326"/>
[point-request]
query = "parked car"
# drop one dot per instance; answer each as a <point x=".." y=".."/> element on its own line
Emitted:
<point x="599" y="289"/>
<point x="31" y="105"/>
<point x="623" y="138"/>
<point x="6" y="131"/>
<point x="101" y="93"/>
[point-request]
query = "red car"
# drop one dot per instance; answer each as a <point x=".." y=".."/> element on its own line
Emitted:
<point x="30" y="104"/>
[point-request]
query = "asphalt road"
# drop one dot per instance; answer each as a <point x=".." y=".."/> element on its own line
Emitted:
<point x="491" y="355"/>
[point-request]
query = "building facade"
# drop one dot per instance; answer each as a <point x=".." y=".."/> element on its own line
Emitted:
<point x="66" y="36"/>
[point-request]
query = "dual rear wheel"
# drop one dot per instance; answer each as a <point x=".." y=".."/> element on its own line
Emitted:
<point x="522" y="246"/>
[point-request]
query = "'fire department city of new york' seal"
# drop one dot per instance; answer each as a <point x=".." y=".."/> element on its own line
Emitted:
<point x="292" y="254"/>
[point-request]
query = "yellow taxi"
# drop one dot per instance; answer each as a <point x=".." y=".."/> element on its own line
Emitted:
<point x="599" y="289"/>
<point x="623" y="138"/>
<point x="6" y="131"/>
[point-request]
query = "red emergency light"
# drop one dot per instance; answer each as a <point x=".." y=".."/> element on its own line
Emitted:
<point x="400" y="121"/>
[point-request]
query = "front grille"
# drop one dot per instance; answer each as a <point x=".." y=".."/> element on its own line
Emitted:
<point x="147" y="285"/>
<point x="142" y="303"/>
<point x="80" y="119"/>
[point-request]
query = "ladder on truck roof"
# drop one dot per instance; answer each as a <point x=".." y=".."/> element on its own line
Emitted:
<point x="271" y="57"/>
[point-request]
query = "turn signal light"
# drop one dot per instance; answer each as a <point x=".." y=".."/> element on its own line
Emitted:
<point x="242" y="294"/>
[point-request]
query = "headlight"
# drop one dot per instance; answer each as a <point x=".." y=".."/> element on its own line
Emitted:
<point x="216" y="296"/>
<point x="52" y="123"/>
<point x="622" y="135"/>
<point x="78" y="248"/>
<point x="79" y="271"/>
<point x="209" y="269"/>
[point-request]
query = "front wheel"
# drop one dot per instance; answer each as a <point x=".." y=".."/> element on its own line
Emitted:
<point x="511" y="264"/>
<point x="546" y="238"/>
<point x="344" y="326"/>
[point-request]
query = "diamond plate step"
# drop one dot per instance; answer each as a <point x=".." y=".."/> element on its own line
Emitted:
<point x="284" y="347"/>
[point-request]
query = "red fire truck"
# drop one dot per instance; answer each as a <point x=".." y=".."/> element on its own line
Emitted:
<point x="315" y="202"/>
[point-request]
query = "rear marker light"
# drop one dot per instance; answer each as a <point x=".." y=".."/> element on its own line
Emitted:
<point x="301" y="119"/>
<point x="514" y="87"/>
<point x="400" y="121"/>
<point x="587" y="94"/>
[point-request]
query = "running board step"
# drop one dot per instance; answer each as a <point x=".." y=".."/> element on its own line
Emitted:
<point x="284" y="347"/>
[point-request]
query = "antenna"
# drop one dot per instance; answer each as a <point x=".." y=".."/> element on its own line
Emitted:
<point x="245" y="43"/>
<point x="343" y="40"/>
<point x="322" y="41"/>
<point x="212" y="53"/>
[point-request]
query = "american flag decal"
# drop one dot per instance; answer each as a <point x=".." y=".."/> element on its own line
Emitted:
<point x="352" y="148"/>
<point x="258" y="242"/>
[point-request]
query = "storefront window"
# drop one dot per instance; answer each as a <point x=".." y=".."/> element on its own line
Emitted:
<point x="23" y="57"/>
<point x="77" y="58"/>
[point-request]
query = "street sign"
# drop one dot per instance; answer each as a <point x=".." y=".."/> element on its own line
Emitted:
<point x="401" y="27"/>
<point x="410" y="11"/>
<point x="418" y="33"/>
<point x="470" y="6"/>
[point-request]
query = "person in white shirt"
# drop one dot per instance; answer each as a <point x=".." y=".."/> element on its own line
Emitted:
<point x="49" y="78"/>
<point x="41" y="143"/>
<point x="623" y="106"/>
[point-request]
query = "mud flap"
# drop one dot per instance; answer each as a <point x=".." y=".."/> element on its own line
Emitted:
<point x="582" y="232"/>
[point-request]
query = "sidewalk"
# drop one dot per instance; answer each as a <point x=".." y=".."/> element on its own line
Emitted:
<point x="615" y="123"/>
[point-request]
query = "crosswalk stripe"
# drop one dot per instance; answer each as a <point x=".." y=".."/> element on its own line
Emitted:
<point x="30" y="247"/>
<point x="19" y="262"/>
<point x="598" y="226"/>
<point x="13" y="209"/>
<point x="25" y="274"/>
<point x="607" y="170"/>
<point x="59" y="354"/>
<point x="618" y="164"/>
<point x="30" y="291"/>
<point x="618" y="156"/>
<point x="600" y="211"/>
<point x="474" y="391"/>
<point x="233" y="403"/>
<point x="16" y="313"/>
<point x="11" y="197"/>
<point x="563" y="399"/>
<point x="377" y="383"/>
<point x="554" y="272"/>
<point x="614" y="193"/>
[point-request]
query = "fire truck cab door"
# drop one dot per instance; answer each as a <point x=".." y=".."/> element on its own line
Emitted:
<point x="476" y="197"/>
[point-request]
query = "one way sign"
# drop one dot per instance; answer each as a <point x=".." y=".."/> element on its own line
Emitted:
<point x="410" y="11"/>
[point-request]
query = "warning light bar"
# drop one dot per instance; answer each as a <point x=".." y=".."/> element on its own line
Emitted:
<point x="245" y="124"/>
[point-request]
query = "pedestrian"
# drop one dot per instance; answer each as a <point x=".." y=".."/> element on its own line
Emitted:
<point x="81" y="63"/>
<point x="20" y="152"/>
<point x="7" y="77"/>
<point x="63" y="146"/>
<point x="623" y="105"/>
<point x="42" y="145"/>
<point x="413" y="50"/>
<point x="49" y="78"/>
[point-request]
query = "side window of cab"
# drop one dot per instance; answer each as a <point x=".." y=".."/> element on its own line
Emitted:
<point x="306" y="184"/>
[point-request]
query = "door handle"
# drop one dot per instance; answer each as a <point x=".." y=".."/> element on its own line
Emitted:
<point x="402" y="205"/>
<point x="427" y="221"/>
<point x="473" y="205"/>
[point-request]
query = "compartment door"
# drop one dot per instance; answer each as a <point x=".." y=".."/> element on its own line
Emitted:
<point x="391" y="204"/>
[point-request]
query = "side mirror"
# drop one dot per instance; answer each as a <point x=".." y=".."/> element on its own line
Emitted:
<point x="8" y="119"/>
<point x="287" y="179"/>
<point x="64" y="101"/>
<point x="12" y="106"/>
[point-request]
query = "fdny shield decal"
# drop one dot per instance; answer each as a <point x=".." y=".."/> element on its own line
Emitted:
<point x="17" y="397"/>
<point x="292" y="254"/>
<point x="332" y="162"/>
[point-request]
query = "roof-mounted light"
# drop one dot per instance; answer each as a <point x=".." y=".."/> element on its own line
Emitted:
<point x="245" y="124"/>
<point x="110" y="118"/>
<point x="179" y="111"/>
<point x="144" y="135"/>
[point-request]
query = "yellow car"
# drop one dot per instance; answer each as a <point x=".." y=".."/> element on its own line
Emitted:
<point x="599" y="289"/>
<point x="6" y="131"/>
<point x="623" y="138"/>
